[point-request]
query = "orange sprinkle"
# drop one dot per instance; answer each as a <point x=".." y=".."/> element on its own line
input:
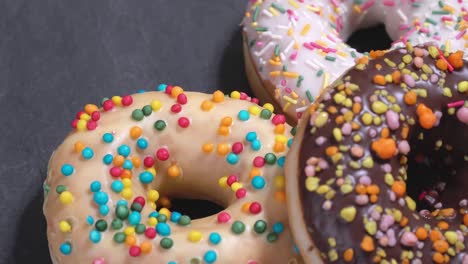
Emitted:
<point x="373" y="198"/>
<point x="385" y="133"/>
<point x="410" y="98"/>
<point x="224" y="130"/>
<point x="399" y="188"/>
<point x="255" y="172"/>
<point x="206" y="105"/>
<point x="90" y="108"/>
<point x="456" y="59"/>
<point x="279" y="147"/>
<point x="396" y="77"/>
<point x="218" y="96"/>
<point x="165" y="202"/>
<point x="357" y="107"/>
<point x="384" y="147"/>
<point x="361" y="188"/>
<point x="245" y="207"/>
<point x="130" y="240"/>
<point x="332" y="150"/>
<point x="427" y="120"/>
<point x="79" y="146"/>
<point x="279" y="129"/>
<point x="280" y="196"/>
<point x="367" y="244"/>
<point x="173" y="171"/>
<point x="378" y="66"/>
<point x="207" y="147"/>
<point x="379" y="79"/>
<point x="118" y="160"/>
<point x="348" y="255"/>
<point x="421" y="233"/>
<point x="376" y="53"/>
<point x="373" y="189"/>
<point x="440" y="246"/>
<point x="146" y="247"/>
<point x="339" y="120"/>
<point x="363" y="60"/>
<point x="135" y="132"/>
<point x="465" y="219"/>
<point x="136" y="161"/>
<point x="441" y="65"/>
<point x="443" y="225"/>
<point x="422" y="109"/>
<point x="176" y="90"/>
<point x="438" y="258"/>
<point x="435" y="235"/>
<point x="404" y="132"/>
<point x="332" y="110"/>
<point x="226" y="121"/>
<point x="404" y="221"/>
<point x="223" y="149"/>
<point x="126" y="174"/>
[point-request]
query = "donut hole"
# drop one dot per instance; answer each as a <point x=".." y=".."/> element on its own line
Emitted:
<point x="195" y="208"/>
<point x="371" y="38"/>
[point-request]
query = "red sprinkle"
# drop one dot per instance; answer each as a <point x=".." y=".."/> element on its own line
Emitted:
<point x="162" y="154"/>
<point x="127" y="100"/>
<point x="96" y="116"/>
<point x="140" y="200"/>
<point x="169" y="89"/>
<point x="182" y="98"/>
<point x="148" y="162"/>
<point x="254" y="100"/>
<point x="108" y="105"/>
<point x="78" y="115"/>
<point x="237" y="147"/>
<point x="134" y="251"/>
<point x="74" y="122"/>
<point x="278" y="119"/>
<point x="176" y="108"/>
<point x="223" y="217"/>
<point x="150" y="233"/>
<point x="240" y="193"/>
<point x="116" y="171"/>
<point x="184" y="122"/>
<point x="91" y="125"/>
<point x="231" y="179"/>
<point x="255" y="208"/>
<point x="259" y="162"/>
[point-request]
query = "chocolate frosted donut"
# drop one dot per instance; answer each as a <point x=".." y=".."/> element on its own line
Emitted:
<point x="378" y="170"/>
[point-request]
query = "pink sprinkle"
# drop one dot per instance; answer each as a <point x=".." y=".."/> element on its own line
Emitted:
<point x="115" y="172"/>
<point x="237" y="147"/>
<point x="334" y="3"/>
<point x="447" y="18"/>
<point x="309" y="170"/>
<point x="367" y="5"/>
<point x="404" y="26"/>
<point x="462" y="114"/>
<point x="389" y="3"/>
<point x="278" y="119"/>
<point x="283" y="82"/>
<point x="91" y="125"/>
<point x="74" y="123"/>
<point x="134" y="251"/>
<point x="176" y="108"/>
<point x="288" y="90"/>
<point x="461" y="34"/>
<point x="437" y="37"/>
<point x="182" y="99"/>
<point x="183" y="122"/>
<point x="308" y="46"/>
<point x="241" y="193"/>
<point x="78" y="115"/>
<point x="169" y="89"/>
<point x="456" y="104"/>
<point x="150" y="233"/>
<point x="409" y="239"/>
<point x="223" y="217"/>
<point x="162" y="154"/>
<point x="424" y="30"/>
<point x="293" y="55"/>
<point x="108" y="105"/>
<point x="393" y="120"/>
<point x="243" y="96"/>
<point x="404" y="147"/>
<point x="127" y="100"/>
<point x="254" y="100"/>
<point x="259" y="162"/>
<point x="99" y="260"/>
<point x="259" y="44"/>
<point x="386" y="222"/>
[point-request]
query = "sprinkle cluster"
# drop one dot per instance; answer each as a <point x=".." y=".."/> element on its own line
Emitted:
<point x="364" y="131"/>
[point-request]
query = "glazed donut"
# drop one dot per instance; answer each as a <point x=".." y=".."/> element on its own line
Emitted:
<point x="348" y="185"/>
<point x="294" y="48"/>
<point x="104" y="181"/>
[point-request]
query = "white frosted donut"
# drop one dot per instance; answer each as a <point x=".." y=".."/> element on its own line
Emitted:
<point x="293" y="48"/>
<point x="104" y="181"/>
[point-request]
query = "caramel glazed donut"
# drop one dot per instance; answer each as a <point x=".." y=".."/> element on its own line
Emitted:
<point x="294" y="48"/>
<point x="350" y="196"/>
<point x="105" y="179"/>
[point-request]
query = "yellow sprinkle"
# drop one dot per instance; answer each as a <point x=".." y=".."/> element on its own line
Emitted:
<point x="279" y="182"/>
<point x="235" y="95"/>
<point x="117" y="100"/>
<point x="127" y="182"/>
<point x="165" y="212"/>
<point x="130" y="230"/>
<point x="152" y="171"/>
<point x="194" y="236"/>
<point x="293" y="3"/>
<point x="312" y="183"/>
<point x="286" y="106"/>
<point x="289" y="99"/>
<point x="64" y="226"/>
<point x="81" y="125"/>
<point x="290" y="74"/>
<point x="305" y="29"/>
<point x="127" y="193"/>
<point x="281" y="139"/>
<point x="366" y="118"/>
<point x="236" y="186"/>
<point x="275" y="63"/>
<point x="342" y="54"/>
<point x="153" y="205"/>
<point x="269" y="107"/>
<point x="371" y="227"/>
<point x="290" y="32"/>
<point x="85" y="117"/>
<point x="326" y="77"/>
<point x="294" y="95"/>
<point x="357" y="9"/>
<point x="348" y="213"/>
<point x="255" y="110"/>
<point x="66" y="197"/>
<point x="337" y="134"/>
<point x="153" y="195"/>
<point x="410" y="202"/>
<point x="273" y="11"/>
<point x="222" y="182"/>
<point x="275" y="73"/>
<point x="156" y="105"/>
<point x="323" y="189"/>
<point x="451" y="237"/>
<point x="313" y="8"/>
<point x="152" y="221"/>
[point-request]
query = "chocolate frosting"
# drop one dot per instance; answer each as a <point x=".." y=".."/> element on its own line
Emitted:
<point x="334" y="231"/>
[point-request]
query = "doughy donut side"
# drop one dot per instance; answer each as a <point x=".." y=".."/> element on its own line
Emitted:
<point x="347" y="176"/>
<point x="80" y="184"/>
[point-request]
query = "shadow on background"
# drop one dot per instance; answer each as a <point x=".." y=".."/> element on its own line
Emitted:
<point x="232" y="71"/>
<point x="373" y="38"/>
<point x="31" y="224"/>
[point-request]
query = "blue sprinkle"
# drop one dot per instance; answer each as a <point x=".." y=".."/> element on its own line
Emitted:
<point x="95" y="236"/>
<point x="127" y="165"/>
<point x="296" y="249"/>
<point x="243" y="115"/>
<point x="215" y="238"/>
<point x="162" y="87"/>
<point x="258" y="182"/>
<point x="100" y="198"/>
<point x="163" y="229"/>
<point x="175" y="216"/>
<point x="104" y="210"/>
<point x="256" y="145"/>
<point x="134" y="218"/>
<point x="290" y="141"/>
<point x="108" y="137"/>
<point x="87" y="153"/>
<point x="172" y="262"/>
<point x="108" y="158"/>
<point x="281" y="161"/>
<point x="278" y="228"/>
<point x="124" y="150"/>
<point x="66" y="248"/>
<point x="141" y="91"/>
<point x="95" y="186"/>
<point x="67" y="169"/>
<point x="251" y="136"/>
<point x="146" y="177"/>
<point x="142" y="143"/>
<point x="117" y="186"/>
<point x="90" y="220"/>
<point x="232" y="158"/>
<point x="153" y="214"/>
<point x="210" y="256"/>
<point x="122" y="202"/>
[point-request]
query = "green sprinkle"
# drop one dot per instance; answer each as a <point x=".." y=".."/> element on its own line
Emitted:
<point x="60" y="189"/>
<point x="277" y="50"/>
<point x="272" y="237"/>
<point x="353" y="54"/>
<point x="299" y="80"/>
<point x="119" y="237"/>
<point x="137" y="115"/>
<point x="261" y="29"/>
<point x="320" y="72"/>
<point x="101" y="225"/>
<point x="440" y="12"/>
<point x="161" y="218"/>
<point x="140" y="229"/>
<point x="184" y="220"/>
<point x="159" y="125"/>
<point x="238" y="227"/>
<point x="270" y="158"/>
<point x="147" y="110"/>
<point x="256" y="12"/>
<point x="431" y="21"/>
<point x="260" y="227"/>
<point x="330" y="58"/>
<point x="265" y="114"/>
<point x="278" y="7"/>
<point x="166" y="243"/>
<point x="117" y="224"/>
<point x="309" y="96"/>
<point x="122" y="212"/>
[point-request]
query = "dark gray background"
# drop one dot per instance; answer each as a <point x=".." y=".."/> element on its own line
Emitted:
<point x="56" y="56"/>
